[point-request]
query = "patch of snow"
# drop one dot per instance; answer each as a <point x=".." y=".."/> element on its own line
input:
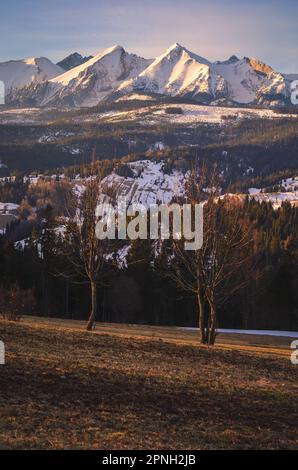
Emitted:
<point x="253" y="191"/>
<point x="120" y="256"/>
<point x="8" y="206"/>
<point x="290" y="184"/>
<point x="54" y="136"/>
<point x="286" y="334"/>
<point x="135" y="96"/>
<point x="150" y="185"/>
<point x="276" y="199"/>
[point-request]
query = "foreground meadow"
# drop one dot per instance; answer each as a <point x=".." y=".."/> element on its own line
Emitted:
<point x="63" y="388"/>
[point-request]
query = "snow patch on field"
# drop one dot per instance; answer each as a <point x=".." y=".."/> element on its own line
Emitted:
<point x="286" y="334"/>
<point x="254" y="191"/>
<point x="54" y="136"/>
<point x="8" y="206"/>
<point x="135" y="96"/>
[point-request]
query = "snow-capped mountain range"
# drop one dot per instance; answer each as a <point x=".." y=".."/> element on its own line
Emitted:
<point x="115" y="73"/>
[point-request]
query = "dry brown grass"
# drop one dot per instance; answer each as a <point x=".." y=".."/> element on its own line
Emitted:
<point x="66" y="388"/>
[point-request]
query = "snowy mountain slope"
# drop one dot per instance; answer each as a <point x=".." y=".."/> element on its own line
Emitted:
<point x="240" y="80"/>
<point x="18" y="73"/>
<point x="176" y="72"/>
<point x="73" y="60"/>
<point x="88" y="83"/>
<point x="149" y="184"/>
<point x="249" y="80"/>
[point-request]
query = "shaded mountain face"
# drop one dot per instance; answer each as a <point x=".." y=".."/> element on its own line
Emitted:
<point x="17" y="74"/>
<point x="73" y="60"/>
<point x="177" y="72"/>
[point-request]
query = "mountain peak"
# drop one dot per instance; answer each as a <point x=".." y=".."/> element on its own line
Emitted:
<point x="73" y="60"/>
<point x="30" y="61"/>
<point x="20" y="73"/>
<point x="176" y="47"/>
<point x="110" y="50"/>
<point x="35" y="60"/>
<point x="114" y="48"/>
<point x="233" y="58"/>
<point x="176" y="50"/>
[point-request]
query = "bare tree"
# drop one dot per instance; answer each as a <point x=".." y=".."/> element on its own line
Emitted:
<point x="216" y="271"/>
<point x="85" y="255"/>
<point x="226" y="257"/>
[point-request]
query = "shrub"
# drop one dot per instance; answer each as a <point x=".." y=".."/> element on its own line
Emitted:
<point x="14" y="302"/>
<point x="173" y="110"/>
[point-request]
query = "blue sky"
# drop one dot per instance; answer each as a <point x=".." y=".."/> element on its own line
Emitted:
<point x="216" y="29"/>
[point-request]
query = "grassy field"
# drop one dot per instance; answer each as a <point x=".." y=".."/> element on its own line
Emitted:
<point x="142" y="388"/>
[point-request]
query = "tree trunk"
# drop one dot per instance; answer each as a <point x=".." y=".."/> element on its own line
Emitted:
<point x="212" y="325"/>
<point x="92" y="316"/>
<point x="201" y="314"/>
<point x="67" y="299"/>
